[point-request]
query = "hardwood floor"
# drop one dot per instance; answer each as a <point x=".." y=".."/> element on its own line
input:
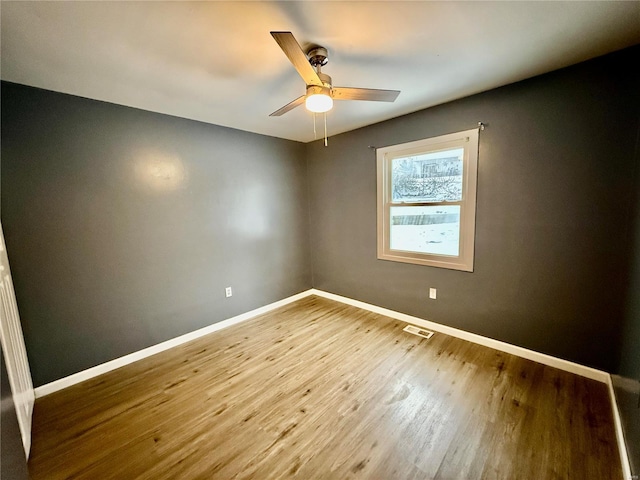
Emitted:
<point x="320" y="390"/>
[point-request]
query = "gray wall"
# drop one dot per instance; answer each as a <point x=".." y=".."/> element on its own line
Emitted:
<point x="627" y="382"/>
<point x="123" y="226"/>
<point x="13" y="464"/>
<point x="554" y="191"/>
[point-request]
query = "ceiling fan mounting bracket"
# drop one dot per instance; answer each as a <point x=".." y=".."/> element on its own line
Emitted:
<point x="318" y="56"/>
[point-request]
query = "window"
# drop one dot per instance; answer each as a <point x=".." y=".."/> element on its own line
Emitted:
<point x="427" y="201"/>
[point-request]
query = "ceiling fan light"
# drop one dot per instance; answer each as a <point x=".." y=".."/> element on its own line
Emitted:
<point x="318" y="103"/>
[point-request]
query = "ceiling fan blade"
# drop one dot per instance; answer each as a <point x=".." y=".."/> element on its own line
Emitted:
<point x="297" y="57"/>
<point x="348" y="93"/>
<point x="289" y="106"/>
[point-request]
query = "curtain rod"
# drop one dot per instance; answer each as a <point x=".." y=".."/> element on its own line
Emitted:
<point x="481" y="126"/>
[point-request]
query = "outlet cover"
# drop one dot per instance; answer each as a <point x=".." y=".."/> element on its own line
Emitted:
<point x="228" y="292"/>
<point x="432" y="293"/>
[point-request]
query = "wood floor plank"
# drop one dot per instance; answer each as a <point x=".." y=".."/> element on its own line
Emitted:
<point x="321" y="390"/>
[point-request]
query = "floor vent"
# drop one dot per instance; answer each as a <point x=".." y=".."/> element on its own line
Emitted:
<point x="418" y="331"/>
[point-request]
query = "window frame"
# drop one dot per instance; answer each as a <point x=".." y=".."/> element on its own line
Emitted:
<point x="469" y="141"/>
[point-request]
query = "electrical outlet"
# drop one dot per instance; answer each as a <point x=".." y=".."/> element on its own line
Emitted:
<point x="228" y="292"/>
<point x="432" y="293"/>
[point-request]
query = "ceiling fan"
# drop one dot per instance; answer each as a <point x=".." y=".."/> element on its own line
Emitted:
<point x="320" y="91"/>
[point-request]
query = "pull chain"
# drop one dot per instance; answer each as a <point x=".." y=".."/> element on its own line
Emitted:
<point x="315" y="135"/>
<point x="325" y="129"/>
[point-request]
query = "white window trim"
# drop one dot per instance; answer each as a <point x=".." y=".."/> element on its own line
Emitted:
<point x="467" y="139"/>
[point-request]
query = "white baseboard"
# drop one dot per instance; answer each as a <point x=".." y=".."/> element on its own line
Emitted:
<point x="624" y="457"/>
<point x="160" y="347"/>
<point x="454" y="332"/>
<point x="543" y="358"/>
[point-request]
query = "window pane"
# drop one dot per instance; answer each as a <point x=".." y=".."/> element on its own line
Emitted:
<point x="429" y="177"/>
<point x="432" y="230"/>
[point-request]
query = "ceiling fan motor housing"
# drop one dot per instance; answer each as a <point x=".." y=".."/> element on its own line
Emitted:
<point x="318" y="90"/>
<point x="326" y="79"/>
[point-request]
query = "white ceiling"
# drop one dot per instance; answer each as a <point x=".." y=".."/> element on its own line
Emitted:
<point x="216" y="62"/>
